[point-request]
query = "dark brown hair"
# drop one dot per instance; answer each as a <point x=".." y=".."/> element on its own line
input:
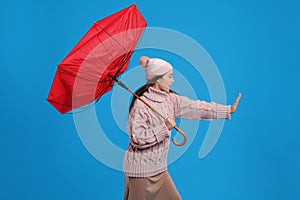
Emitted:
<point x="140" y="93"/>
<point x="143" y="89"/>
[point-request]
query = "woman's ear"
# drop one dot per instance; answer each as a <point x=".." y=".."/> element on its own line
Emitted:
<point x="158" y="80"/>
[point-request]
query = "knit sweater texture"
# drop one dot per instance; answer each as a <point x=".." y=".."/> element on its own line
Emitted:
<point x="150" y="137"/>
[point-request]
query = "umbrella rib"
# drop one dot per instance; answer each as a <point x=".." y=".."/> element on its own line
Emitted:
<point x="109" y="35"/>
<point x="123" y="61"/>
<point x="75" y="75"/>
<point x="136" y="23"/>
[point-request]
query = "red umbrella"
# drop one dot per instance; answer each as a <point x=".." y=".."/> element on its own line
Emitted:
<point x="92" y="66"/>
<point x="82" y="77"/>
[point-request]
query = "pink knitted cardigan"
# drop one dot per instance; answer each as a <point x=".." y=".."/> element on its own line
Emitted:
<point x="149" y="136"/>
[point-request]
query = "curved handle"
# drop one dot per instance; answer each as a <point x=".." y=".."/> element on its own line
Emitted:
<point x="184" y="137"/>
<point x="147" y="104"/>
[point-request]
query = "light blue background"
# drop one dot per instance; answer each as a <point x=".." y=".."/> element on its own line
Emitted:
<point x="255" y="45"/>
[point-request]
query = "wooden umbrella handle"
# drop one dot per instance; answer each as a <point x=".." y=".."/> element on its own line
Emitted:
<point x="184" y="137"/>
<point x="153" y="109"/>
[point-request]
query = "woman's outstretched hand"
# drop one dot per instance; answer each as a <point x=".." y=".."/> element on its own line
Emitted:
<point x="234" y="106"/>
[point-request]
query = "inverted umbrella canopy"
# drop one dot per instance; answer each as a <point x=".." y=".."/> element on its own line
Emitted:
<point x="85" y="73"/>
<point x="97" y="60"/>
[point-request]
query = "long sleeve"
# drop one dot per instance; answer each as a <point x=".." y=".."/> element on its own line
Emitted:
<point x="199" y="110"/>
<point x="147" y="152"/>
<point x="145" y="128"/>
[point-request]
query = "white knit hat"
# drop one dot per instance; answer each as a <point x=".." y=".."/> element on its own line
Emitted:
<point x="154" y="67"/>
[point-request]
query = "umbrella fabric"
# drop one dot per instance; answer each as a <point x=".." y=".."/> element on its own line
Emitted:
<point x="82" y="76"/>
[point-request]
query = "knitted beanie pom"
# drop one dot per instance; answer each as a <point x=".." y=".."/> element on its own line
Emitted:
<point x="144" y="61"/>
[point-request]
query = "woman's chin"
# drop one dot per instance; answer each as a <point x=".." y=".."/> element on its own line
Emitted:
<point x="166" y="89"/>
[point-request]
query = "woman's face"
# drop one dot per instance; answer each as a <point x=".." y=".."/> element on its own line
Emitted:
<point x="166" y="81"/>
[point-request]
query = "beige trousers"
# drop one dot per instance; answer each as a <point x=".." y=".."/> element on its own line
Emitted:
<point x="159" y="187"/>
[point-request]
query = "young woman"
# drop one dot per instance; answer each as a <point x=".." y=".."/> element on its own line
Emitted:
<point x="145" y="161"/>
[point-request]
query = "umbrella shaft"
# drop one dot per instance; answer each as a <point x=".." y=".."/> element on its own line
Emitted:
<point x="146" y="103"/>
<point x="153" y="109"/>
